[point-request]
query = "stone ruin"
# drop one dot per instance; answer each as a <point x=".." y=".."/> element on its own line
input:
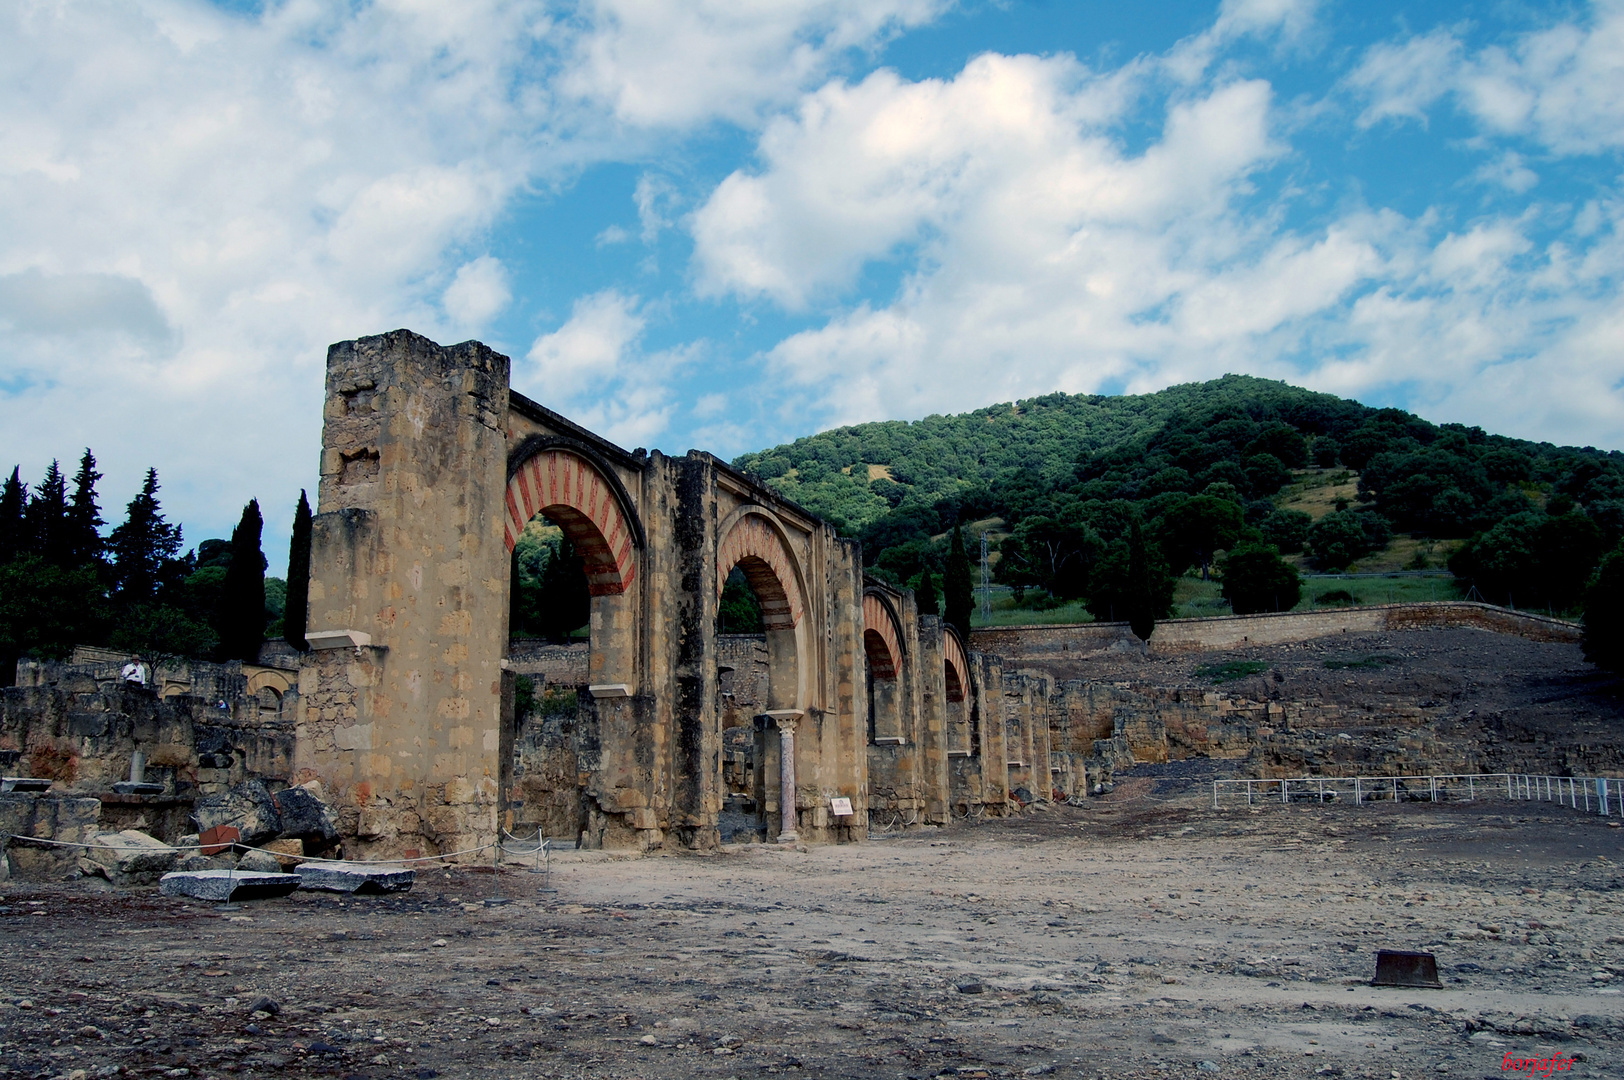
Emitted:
<point x="851" y="710"/>
<point x="851" y="713"/>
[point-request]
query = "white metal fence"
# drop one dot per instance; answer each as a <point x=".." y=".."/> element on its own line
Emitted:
<point x="1600" y="794"/>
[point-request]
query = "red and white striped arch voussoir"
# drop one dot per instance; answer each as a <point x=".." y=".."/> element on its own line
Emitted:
<point x="578" y="498"/>
<point x="877" y="621"/>
<point x="958" y="667"/>
<point x="754" y="547"/>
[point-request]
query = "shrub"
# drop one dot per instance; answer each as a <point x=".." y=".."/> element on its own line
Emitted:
<point x="1257" y="579"/>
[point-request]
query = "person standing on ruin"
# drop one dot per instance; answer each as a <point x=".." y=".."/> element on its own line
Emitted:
<point x="134" y="673"/>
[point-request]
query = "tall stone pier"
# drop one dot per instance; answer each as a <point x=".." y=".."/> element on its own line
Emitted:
<point x="408" y="594"/>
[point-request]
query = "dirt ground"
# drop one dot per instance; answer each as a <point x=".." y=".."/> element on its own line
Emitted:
<point x="1142" y="935"/>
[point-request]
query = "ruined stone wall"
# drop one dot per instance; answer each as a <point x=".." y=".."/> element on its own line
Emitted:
<point x="557" y="665"/>
<point x="995" y="751"/>
<point x="1268" y="738"/>
<point x="68" y="724"/>
<point x="934" y="721"/>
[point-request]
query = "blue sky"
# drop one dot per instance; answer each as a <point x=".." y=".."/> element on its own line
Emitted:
<point x="726" y="224"/>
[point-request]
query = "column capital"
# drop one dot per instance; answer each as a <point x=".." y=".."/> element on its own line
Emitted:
<point x="785" y="718"/>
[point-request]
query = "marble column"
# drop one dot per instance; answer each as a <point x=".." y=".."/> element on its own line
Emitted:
<point x="786" y="781"/>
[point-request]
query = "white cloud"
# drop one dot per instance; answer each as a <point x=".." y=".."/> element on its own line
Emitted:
<point x="651" y="62"/>
<point x="1558" y="86"/>
<point x="655" y="197"/>
<point x="479" y="291"/>
<point x="1014" y="148"/>
<point x="594" y="367"/>
<point x="219" y="195"/>
<point x="1508" y="171"/>
<point x="1290" y="17"/>
<point x="1402" y="81"/>
<point x="1039" y="254"/>
<point x="590" y="349"/>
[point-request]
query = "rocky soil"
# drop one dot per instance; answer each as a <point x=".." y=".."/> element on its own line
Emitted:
<point x="1144" y="935"/>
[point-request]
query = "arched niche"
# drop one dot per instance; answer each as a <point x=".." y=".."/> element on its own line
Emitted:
<point x="882" y="649"/>
<point x="565" y="482"/>
<point x="756" y="542"/>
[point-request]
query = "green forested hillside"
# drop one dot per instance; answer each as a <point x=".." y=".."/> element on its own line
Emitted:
<point x="1036" y="441"/>
<point x="1209" y="470"/>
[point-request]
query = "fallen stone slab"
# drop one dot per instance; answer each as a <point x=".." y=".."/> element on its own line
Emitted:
<point x="354" y="879"/>
<point x="227" y="885"/>
<point x="131" y="857"/>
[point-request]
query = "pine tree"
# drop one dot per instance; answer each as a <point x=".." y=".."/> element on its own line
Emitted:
<point x="296" y="615"/>
<point x="925" y="595"/>
<point x="142" y="545"/>
<point x="13" y="502"/>
<point x="83" y="541"/>
<point x="958" y="585"/>
<point x="241" y="617"/>
<point x="47" y="518"/>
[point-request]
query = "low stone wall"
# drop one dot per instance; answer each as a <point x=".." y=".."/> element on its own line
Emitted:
<point x="555" y="665"/>
<point x="1072" y="641"/>
<point x="82" y="734"/>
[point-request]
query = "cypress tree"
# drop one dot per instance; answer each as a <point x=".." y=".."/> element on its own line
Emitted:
<point x="958" y="585"/>
<point x="13" y="501"/>
<point x="241" y="619"/>
<point x="296" y="615"/>
<point x="47" y="518"/>
<point x="925" y="597"/>
<point x="83" y="542"/>
<point x="142" y="544"/>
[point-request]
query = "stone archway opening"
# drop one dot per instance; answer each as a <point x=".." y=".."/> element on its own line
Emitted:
<point x="959" y="706"/>
<point x="596" y="541"/>
<point x="762" y="678"/>
<point x="572" y="630"/>
<point x="882" y="652"/>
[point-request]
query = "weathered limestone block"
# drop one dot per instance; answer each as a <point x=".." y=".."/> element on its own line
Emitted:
<point x="258" y="860"/>
<point x="305" y="816"/>
<point x="130" y="857"/>
<point x="47" y="817"/>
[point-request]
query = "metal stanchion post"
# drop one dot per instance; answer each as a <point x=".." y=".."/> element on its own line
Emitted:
<point x="496" y="873"/>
